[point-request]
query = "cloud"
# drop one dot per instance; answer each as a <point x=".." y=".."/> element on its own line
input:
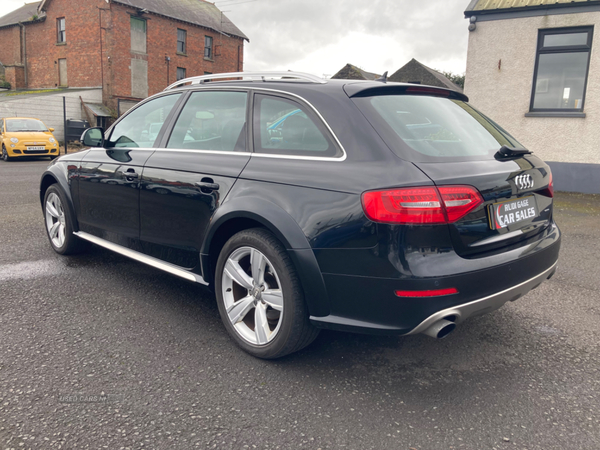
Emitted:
<point x="378" y="35"/>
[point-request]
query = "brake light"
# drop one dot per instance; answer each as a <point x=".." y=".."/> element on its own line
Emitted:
<point x="426" y="205"/>
<point x="418" y="90"/>
<point x="432" y="293"/>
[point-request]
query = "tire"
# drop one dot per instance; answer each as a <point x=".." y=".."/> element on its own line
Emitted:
<point x="5" y="156"/>
<point x="59" y="223"/>
<point x="270" y="294"/>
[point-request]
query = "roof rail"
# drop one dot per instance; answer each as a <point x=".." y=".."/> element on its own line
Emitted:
<point x="253" y="76"/>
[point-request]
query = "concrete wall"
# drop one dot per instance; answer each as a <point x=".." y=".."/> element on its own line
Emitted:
<point x="504" y="93"/>
<point x="49" y="107"/>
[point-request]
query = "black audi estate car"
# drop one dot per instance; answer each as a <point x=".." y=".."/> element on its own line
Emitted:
<point x="305" y="203"/>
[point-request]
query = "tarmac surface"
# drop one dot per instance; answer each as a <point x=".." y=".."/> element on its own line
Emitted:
<point x="98" y="351"/>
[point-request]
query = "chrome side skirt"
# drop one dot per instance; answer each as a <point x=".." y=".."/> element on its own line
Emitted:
<point x="486" y="304"/>
<point x="149" y="260"/>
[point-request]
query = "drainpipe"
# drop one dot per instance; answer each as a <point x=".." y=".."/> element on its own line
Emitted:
<point x="24" y="39"/>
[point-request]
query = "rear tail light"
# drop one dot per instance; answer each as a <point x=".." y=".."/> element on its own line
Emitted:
<point x="426" y="205"/>
<point x="551" y="186"/>
<point x="548" y="191"/>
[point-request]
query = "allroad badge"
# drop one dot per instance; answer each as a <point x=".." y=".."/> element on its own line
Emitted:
<point x="524" y="181"/>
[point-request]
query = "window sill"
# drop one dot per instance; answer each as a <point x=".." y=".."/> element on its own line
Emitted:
<point x="61" y="43"/>
<point x="209" y="59"/>
<point x="575" y="115"/>
<point x="182" y="54"/>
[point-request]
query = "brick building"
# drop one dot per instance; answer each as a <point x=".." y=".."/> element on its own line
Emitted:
<point x="129" y="48"/>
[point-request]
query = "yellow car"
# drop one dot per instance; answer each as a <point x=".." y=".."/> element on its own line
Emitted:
<point x="23" y="136"/>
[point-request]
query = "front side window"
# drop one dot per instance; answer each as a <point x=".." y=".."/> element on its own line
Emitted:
<point x="284" y="127"/>
<point x="138" y="35"/>
<point x="181" y="41"/>
<point x="140" y="127"/>
<point x="561" y="69"/>
<point x="61" y="30"/>
<point x="181" y="73"/>
<point x="208" y="47"/>
<point x="213" y="120"/>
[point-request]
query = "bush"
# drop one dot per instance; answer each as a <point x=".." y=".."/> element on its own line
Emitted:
<point x="4" y="83"/>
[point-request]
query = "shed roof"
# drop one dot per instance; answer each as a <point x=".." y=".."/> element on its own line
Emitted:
<point x="24" y="14"/>
<point x="197" y="12"/>
<point x="493" y="5"/>
<point x="97" y="109"/>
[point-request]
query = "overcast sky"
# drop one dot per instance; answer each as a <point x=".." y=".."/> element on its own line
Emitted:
<point x="321" y="36"/>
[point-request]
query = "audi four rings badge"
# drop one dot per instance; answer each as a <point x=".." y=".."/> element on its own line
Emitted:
<point x="524" y="181"/>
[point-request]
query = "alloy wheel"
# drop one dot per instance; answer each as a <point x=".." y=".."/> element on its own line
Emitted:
<point x="55" y="220"/>
<point x="252" y="295"/>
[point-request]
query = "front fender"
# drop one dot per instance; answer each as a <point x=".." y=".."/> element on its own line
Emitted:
<point x="284" y="227"/>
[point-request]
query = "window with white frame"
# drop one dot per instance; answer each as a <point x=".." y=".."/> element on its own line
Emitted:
<point x="181" y="41"/>
<point x="61" y="32"/>
<point x="208" y="47"/>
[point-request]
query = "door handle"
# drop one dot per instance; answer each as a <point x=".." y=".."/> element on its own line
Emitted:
<point x="131" y="174"/>
<point x="208" y="185"/>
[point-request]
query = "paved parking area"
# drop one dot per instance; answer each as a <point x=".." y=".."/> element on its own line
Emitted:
<point x="97" y="351"/>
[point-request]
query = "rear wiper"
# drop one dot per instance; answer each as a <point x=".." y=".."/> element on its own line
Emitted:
<point x="506" y="151"/>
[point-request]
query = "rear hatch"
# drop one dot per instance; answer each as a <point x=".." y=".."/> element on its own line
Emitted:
<point x="455" y="145"/>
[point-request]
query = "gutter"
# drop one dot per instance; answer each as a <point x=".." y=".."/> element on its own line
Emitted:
<point x="484" y="12"/>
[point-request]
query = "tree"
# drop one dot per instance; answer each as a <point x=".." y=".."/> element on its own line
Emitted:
<point x="458" y="79"/>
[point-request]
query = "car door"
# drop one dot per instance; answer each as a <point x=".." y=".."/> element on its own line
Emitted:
<point x="188" y="177"/>
<point x="109" y="177"/>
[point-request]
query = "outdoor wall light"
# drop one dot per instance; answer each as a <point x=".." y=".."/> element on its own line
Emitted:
<point x="472" y="24"/>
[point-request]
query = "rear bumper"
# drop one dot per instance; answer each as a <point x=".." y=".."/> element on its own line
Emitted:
<point x="487" y="304"/>
<point x="369" y="304"/>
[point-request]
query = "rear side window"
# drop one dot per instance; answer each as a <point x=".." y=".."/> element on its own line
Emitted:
<point x="427" y="128"/>
<point x="212" y="120"/>
<point x="284" y="127"/>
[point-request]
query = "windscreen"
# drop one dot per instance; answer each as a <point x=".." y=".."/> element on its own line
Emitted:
<point x="16" y="125"/>
<point x="427" y="128"/>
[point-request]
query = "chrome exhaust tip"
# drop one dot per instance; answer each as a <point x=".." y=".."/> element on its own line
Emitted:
<point x="440" y="329"/>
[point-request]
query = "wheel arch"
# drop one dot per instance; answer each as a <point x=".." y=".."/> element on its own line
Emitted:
<point x="51" y="177"/>
<point x="244" y="213"/>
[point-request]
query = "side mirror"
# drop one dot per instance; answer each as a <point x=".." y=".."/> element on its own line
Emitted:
<point x="93" y="137"/>
<point x="51" y="130"/>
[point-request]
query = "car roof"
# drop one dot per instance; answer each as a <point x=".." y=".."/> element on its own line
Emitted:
<point x="305" y="82"/>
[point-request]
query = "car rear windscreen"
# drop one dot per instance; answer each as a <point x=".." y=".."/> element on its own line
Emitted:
<point x="429" y="128"/>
